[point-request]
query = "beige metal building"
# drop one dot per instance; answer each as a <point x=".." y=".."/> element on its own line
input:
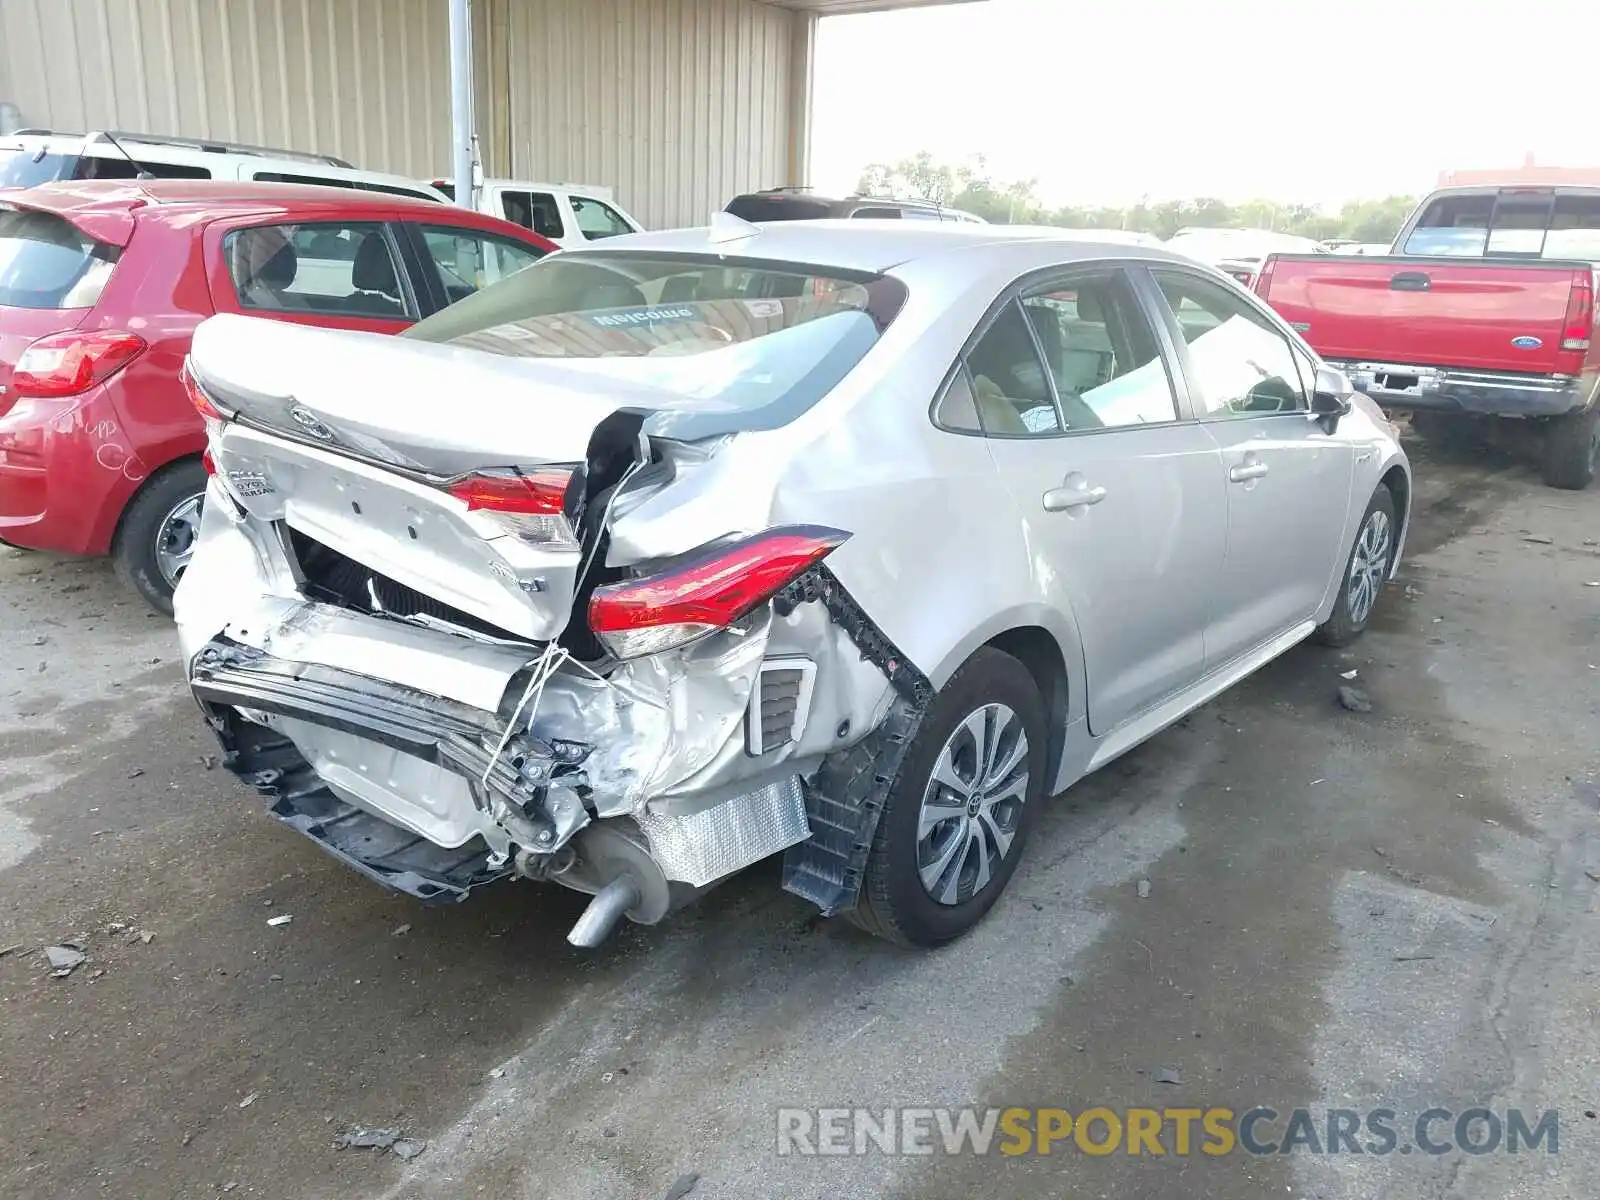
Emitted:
<point x="676" y="104"/>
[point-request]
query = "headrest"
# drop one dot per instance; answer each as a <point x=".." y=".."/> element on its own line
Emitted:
<point x="373" y="269"/>
<point x="278" y="272"/>
<point x="1091" y="306"/>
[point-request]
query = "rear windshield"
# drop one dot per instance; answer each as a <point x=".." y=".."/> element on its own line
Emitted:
<point x="1510" y="224"/>
<point x="762" y="339"/>
<point x="46" y="263"/>
<point x="780" y="208"/>
<point x="22" y="169"/>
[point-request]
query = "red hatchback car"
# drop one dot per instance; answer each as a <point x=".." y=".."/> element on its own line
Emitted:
<point x="101" y="287"/>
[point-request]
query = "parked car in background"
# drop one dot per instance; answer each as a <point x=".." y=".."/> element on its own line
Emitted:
<point x="1487" y="309"/>
<point x="1238" y="252"/>
<point x="802" y="204"/>
<point x="569" y="214"/>
<point x="101" y="287"/>
<point x="665" y="595"/>
<point x="1127" y="237"/>
<point x="33" y="157"/>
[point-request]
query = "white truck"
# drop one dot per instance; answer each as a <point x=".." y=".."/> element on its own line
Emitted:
<point x="569" y="214"/>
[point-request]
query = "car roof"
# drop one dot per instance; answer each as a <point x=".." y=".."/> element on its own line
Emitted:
<point x="106" y="209"/>
<point x="866" y="245"/>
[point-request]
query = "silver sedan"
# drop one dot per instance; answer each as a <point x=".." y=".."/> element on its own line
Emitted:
<point x="851" y="541"/>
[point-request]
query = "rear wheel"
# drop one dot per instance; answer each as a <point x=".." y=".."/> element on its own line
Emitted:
<point x="158" y="533"/>
<point x="956" y="819"/>
<point x="1364" y="573"/>
<point x="1572" y="449"/>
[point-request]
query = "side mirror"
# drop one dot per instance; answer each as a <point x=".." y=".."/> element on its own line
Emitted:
<point x="1330" y="397"/>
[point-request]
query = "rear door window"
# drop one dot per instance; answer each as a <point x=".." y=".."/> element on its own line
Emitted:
<point x="597" y="219"/>
<point x="468" y="260"/>
<point x="537" y="211"/>
<point x="1101" y="352"/>
<point x="45" y="262"/>
<point x="779" y="208"/>
<point x="335" y="269"/>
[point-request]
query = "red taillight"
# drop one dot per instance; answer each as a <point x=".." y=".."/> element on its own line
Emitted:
<point x="1578" y="325"/>
<point x="707" y="590"/>
<point x="65" y="364"/>
<point x="530" y="504"/>
<point x="203" y="404"/>
<point x="541" y="492"/>
<point x="209" y="463"/>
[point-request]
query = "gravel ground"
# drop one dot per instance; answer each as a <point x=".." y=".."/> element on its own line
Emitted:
<point x="1391" y="908"/>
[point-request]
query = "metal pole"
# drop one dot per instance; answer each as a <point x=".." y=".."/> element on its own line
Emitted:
<point x="461" y="99"/>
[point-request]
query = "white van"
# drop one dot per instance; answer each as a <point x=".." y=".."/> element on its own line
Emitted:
<point x="569" y="214"/>
<point x="34" y="156"/>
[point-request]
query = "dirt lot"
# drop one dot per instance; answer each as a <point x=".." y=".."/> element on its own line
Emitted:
<point x="1393" y="908"/>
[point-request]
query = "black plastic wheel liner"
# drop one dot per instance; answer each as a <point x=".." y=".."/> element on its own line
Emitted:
<point x="845" y="799"/>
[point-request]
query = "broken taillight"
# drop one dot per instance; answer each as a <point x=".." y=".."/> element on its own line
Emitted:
<point x="203" y="403"/>
<point x="1578" y="325"/>
<point x="67" y="364"/>
<point x="705" y="590"/>
<point x="530" y="504"/>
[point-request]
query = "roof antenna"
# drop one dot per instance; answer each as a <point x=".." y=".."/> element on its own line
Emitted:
<point x="140" y="172"/>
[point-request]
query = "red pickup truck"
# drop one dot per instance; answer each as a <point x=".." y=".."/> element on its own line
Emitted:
<point x="1486" y="307"/>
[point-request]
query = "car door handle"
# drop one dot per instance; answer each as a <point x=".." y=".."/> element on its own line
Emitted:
<point x="1411" y="281"/>
<point x="1062" y="499"/>
<point x="1247" y="471"/>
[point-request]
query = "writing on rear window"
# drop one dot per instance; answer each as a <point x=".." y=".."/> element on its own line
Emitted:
<point x="643" y="316"/>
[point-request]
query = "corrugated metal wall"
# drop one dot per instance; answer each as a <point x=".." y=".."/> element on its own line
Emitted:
<point x="365" y="79"/>
<point x="676" y="104"/>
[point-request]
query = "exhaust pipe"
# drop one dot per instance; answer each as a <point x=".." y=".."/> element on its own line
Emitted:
<point x="604" y="911"/>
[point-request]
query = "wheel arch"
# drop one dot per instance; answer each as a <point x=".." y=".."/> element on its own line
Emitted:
<point x="1046" y="642"/>
<point x="145" y="484"/>
<point x="1397" y="478"/>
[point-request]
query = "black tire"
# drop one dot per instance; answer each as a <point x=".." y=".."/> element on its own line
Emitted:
<point x="894" y="904"/>
<point x="1347" y="621"/>
<point x="1572" y="449"/>
<point x="135" y="551"/>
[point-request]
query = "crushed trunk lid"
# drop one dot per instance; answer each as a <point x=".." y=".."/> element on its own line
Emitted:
<point x="393" y="454"/>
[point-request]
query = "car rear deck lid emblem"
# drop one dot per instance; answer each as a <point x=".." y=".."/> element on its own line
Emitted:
<point x="1525" y="342"/>
<point x="308" y="421"/>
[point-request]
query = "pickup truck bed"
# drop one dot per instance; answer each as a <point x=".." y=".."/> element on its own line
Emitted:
<point x="1509" y="338"/>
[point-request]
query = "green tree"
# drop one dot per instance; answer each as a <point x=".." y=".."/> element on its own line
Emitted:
<point x="972" y="187"/>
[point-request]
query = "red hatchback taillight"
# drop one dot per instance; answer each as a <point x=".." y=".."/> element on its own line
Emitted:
<point x="1578" y="325"/>
<point x="68" y="364"/>
<point x="706" y="590"/>
<point x="531" y="504"/>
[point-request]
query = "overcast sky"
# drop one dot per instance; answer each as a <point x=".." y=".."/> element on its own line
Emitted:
<point x="1296" y="100"/>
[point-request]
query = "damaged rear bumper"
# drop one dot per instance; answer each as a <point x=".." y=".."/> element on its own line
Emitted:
<point x="411" y="753"/>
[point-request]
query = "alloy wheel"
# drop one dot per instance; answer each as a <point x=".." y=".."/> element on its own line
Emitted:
<point x="175" y="539"/>
<point x="1369" y="564"/>
<point x="972" y="805"/>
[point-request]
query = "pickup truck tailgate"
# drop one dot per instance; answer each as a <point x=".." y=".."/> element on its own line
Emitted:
<point x="1480" y="315"/>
